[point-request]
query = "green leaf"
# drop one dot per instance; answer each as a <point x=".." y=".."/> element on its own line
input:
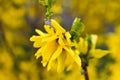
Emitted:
<point x="77" y="28"/>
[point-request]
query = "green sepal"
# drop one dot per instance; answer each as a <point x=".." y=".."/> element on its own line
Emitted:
<point x="77" y="28"/>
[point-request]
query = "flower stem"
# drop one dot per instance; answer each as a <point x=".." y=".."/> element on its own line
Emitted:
<point x="47" y="4"/>
<point x="85" y="71"/>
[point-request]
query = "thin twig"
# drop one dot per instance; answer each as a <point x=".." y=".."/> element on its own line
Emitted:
<point x="85" y="71"/>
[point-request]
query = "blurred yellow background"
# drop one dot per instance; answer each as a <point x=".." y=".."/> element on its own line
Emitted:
<point x="19" y="19"/>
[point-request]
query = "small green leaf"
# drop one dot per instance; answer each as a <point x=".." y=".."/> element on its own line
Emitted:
<point x="77" y="28"/>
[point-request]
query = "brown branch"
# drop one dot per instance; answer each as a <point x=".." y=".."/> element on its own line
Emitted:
<point x="85" y="71"/>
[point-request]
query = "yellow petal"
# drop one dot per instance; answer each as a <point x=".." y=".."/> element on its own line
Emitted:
<point x="83" y="46"/>
<point x="54" y="56"/>
<point x="94" y="40"/>
<point x="56" y="53"/>
<point x="37" y="44"/>
<point x="38" y="40"/>
<point x="39" y="32"/>
<point x="43" y="39"/>
<point x="57" y="27"/>
<point x="47" y="51"/>
<point x="60" y="41"/>
<point x="67" y="35"/>
<point x="50" y="38"/>
<point x="70" y="67"/>
<point x="49" y="29"/>
<point x="38" y="53"/>
<point x="35" y="38"/>
<point x="51" y="64"/>
<point x="61" y="62"/>
<point x="69" y="62"/>
<point x="97" y="53"/>
<point x="44" y="63"/>
<point x="75" y="57"/>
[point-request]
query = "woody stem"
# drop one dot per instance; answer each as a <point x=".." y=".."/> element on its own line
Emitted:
<point x="85" y="71"/>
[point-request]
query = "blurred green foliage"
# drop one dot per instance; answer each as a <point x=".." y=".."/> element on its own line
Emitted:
<point x="19" y="19"/>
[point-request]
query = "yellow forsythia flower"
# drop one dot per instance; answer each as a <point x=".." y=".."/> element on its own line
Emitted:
<point x="97" y="53"/>
<point x="55" y="47"/>
<point x="82" y="47"/>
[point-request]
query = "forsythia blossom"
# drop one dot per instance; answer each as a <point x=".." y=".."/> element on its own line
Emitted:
<point x="84" y="45"/>
<point x="97" y="53"/>
<point x="55" y="47"/>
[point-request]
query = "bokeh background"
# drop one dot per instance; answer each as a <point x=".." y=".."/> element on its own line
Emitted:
<point x="20" y="18"/>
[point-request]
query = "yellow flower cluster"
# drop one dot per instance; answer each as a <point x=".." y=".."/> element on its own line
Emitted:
<point x="58" y="50"/>
<point x="55" y="47"/>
